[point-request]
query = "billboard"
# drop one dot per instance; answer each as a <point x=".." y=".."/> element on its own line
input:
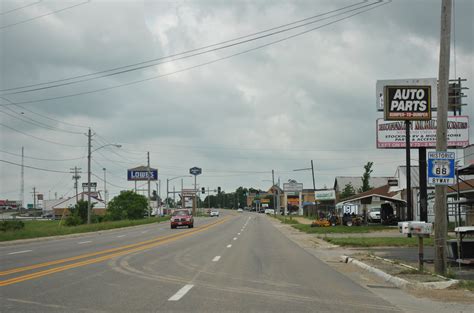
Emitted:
<point x="391" y="134"/>
<point x="381" y="84"/>
<point x="408" y="102"/>
<point x="292" y="187"/>
<point x="324" y="195"/>
<point x="141" y="173"/>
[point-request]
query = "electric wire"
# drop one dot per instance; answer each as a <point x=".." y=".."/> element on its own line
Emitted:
<point x="20" y="8"/>
<point x="34" y="167"/>
<point x="43" y="15"/>
<point x="41" y="139"/>
<point x="200" y="64"/>
<point x="176" y="54"/>
<point x="43" y="159"/>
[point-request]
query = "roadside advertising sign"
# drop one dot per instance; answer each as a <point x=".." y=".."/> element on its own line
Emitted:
<point x="39" y="196"/>
<point x="324" y="195"/>
<point x="195" y="171"/>
<point x="141" y="173"/>
<point x="407" y="103"/>
<point x="349" y="208"/>
<point x="93" y="185"/>
<point x="412" y="83"/>
<point x="293" y="187"/>
<point x="441" y="168"/>
<point x="391" y="134"/>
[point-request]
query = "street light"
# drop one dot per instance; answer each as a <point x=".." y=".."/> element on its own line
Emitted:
<point x="167" y="187"/>
<point x="89" y="157"/>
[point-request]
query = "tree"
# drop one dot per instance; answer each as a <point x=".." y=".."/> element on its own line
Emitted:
<point x="127" y="205"/>
<point x="366" y="177"/>
<point x="347" y="192"/>
<point x="79" y="212"/>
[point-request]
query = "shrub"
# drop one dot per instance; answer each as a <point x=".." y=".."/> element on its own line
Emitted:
<point x="73" y="220"/>
<point x="11" y="225"/>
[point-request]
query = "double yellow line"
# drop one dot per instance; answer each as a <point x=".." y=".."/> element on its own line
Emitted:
<point x="101" y="256"/>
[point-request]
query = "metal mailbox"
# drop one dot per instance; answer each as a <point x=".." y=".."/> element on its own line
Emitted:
<point x="403" y="228"/>
<point x="421" y="228"/>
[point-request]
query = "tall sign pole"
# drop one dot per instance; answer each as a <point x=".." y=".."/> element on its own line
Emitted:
<point x="89" y="145"/>
<point x="148" y="179"/>
<point x="408" y="176"/>
<point x="441" y="135"/>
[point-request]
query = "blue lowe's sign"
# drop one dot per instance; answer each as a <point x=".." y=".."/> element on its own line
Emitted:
<point x="141" y="173"/>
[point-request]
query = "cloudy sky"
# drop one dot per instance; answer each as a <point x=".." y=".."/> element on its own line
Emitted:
<point x="251" y="101"/>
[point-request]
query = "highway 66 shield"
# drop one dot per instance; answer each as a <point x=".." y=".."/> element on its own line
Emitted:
<point x="441" y="168"/>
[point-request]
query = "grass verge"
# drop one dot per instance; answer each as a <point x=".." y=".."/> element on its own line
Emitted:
<point x="35" y="229"/>
<point x="286" y="220"/>
<point x="340" y="229"/>
<point x="378" y="242"/>
<point x="465" y="284"/>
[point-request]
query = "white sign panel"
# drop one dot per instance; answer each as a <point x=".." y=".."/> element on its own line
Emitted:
<point x="292" y="187"/>
<point x="391" y="134"/>
<point x="324" y="195"/>
<point x="432" y="82"/>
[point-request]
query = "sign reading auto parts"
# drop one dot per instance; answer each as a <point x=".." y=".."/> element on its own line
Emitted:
<point x="407" y="102"/>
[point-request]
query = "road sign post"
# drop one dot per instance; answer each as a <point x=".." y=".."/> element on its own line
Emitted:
<point x="441" y="168"/>
<point x="195" y="171"/>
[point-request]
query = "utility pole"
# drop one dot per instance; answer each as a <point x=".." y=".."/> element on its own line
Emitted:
<point x="441" y="135"/>
<point x="408" y="169"/>
<point x="148" y="165"/>
<point x="105" y="187"/>
<point x="167" y="193"/>
<point x="89" y="147"/>
<point x="76" y="178"/>
<point x="312" y="171"/>
<point x="34" y="198"/>
<point x="208" y="198"/>
<point x="22" y="184"/>
<point x="273" y="190"/>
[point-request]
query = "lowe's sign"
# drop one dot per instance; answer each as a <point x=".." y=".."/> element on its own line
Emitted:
<point x="141" y="173"/>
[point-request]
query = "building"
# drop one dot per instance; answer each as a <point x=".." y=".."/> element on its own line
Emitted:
<point x="340" y="183"/>
<point x="62" y="208"/>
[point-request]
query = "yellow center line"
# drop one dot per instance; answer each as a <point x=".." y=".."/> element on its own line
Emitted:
<point x="142" y="247"/>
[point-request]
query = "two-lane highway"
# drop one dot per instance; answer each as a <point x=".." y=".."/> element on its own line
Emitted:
<point x="234" y="263"/>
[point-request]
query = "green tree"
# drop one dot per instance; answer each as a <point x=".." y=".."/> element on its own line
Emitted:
<point x="127" y="205"/>
<point x="366" y="177"/>
<point x="347" y="192"/>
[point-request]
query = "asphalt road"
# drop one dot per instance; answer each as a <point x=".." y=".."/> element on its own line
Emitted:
<point x="234" y="263"/>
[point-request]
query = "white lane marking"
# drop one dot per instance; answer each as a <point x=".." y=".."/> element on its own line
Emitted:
<point x="120" y="236"/>
<point x="235" y="238"/>
<point x="145" y="231"/>
<point x="18" y="252"/>
<point x="228" y="246"/>
<point x="181" y="293"/>
<point x="238" y="234"/>
<point x="83" y="242"/>
<point x="216" y="258"/>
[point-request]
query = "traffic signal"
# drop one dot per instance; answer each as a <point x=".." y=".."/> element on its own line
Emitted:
<point x="203" y="190"/>
<point x="218" y="189"/>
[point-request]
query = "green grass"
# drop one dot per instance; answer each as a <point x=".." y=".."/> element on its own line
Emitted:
<point x="466" y="284"/>
<point x="378" y="242"/>
<point x="286" y="220"/>
<point x="339" y="229"/>
<point x="35" y="229"/>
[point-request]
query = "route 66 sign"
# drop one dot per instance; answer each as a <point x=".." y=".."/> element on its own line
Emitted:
<point x="441" y="168"/>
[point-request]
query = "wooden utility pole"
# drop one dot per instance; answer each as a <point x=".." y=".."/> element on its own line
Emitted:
<point x="441" y="135"/>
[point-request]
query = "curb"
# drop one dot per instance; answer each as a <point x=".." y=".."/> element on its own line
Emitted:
<point x="396" y="281"/>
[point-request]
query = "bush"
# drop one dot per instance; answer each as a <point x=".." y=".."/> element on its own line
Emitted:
<point x="11" y="225"/>
<point x="73" y="220"/>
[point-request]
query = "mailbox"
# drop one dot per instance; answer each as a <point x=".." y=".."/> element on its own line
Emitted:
<point x="421" y="228"/>
<point x="415" y="228"/>
<point x="404" y="228"/>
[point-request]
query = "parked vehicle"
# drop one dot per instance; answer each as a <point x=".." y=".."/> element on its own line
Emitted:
<point x="374" y="215"/>
<point x="240" y="210"/>
<point x="269" y="211"/>
<point x="182" y="218"/>
<point x="214" y="213"/>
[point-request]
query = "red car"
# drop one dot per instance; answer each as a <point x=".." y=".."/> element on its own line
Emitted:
<point x="182" y="218"/>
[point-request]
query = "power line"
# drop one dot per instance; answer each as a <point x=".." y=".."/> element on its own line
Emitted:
<point x="41" y="115"/>
<point x="20" y="8"/>
<point x="43" y="159"/>
<point x="41" y="16"/>
<point x="140" y="64"/>
<point x="41" y="139"/>
<point x="31" y="121"/>
<point x="33" y="167"/>
<point x="108" y="183"/>
<point x="204" y="63"/>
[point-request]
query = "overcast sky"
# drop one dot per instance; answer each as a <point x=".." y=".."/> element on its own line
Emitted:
<point x="311" y="97"/>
